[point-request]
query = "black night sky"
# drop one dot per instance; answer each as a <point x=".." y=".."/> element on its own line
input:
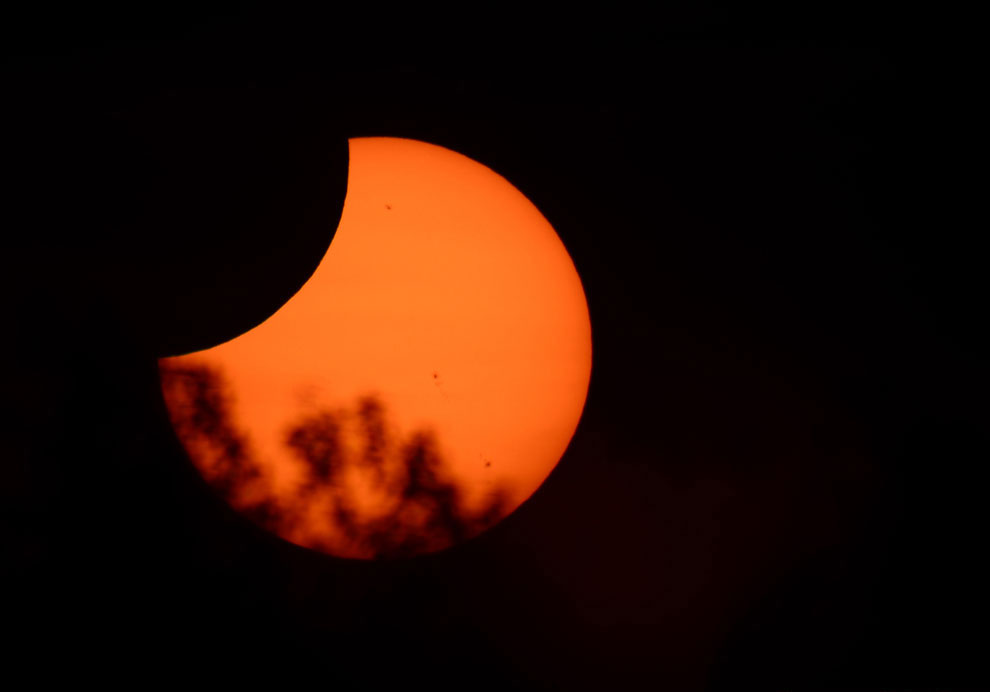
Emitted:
<point x="778" y="481"/>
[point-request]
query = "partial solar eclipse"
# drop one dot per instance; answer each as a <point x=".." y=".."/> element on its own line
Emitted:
<point x="419" y="387"/>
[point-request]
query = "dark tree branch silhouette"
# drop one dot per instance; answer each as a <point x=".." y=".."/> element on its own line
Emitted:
<point x="424" y="508"/>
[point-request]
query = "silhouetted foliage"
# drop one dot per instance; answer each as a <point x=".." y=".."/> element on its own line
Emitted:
<point x="424" y="508"/>
<point x="372" y="416"/>
<point x="199" y="405"/>
<point x="317" y="443"/>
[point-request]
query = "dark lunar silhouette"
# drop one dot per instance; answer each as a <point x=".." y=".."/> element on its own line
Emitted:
<point x="426" y="510"/>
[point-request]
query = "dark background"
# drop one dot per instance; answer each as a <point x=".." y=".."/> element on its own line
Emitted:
<point x="777" y="482"/>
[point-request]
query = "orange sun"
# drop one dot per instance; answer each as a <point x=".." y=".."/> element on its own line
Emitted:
<point x="419" y="387"/>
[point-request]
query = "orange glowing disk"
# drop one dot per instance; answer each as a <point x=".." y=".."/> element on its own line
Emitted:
<point x="419" y="387"/>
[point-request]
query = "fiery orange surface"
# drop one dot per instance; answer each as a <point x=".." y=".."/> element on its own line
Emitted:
<point x="419" y="387"/>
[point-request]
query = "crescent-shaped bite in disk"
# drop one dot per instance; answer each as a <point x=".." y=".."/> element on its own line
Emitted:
<point x="419" y="387"/>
